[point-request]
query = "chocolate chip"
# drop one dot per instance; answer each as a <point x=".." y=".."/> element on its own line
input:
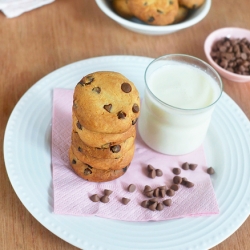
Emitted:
<point x="193" y="166"/>
<point x="135" y="108"/>
<point x="151" y="19"/>
<point x="167" y="202"/>
<point x="125" y="201"/>
<point x="210" y="171"/>
<point x="145" y="204"/>
<point x="174" y="187"/>
<point x="162" y="187"/>
<point x="162" y="193"/>
<point x="147" y="188"/>
<point x="170" y="192"/>
<point x="131" y="188"/>
<point x="156" y="192"/>
<point x="121" y="115"/>
<point x="108" y="107"/>
<point x="153" y="206"/>
<point x="150" y="167"/>
<point x="79" y="149"/>
<point x="134" y="121"/>
<point x="104" y="199"/>
<point x="149" y="193"/>
<point x="152" y="174"/>
<point x="87" y="171"/>
<point x="185" y="166"/>
<point x="183" y="181"/>
<point x="189" y="184"/>
<point x="159" y="207"/>
<point x="94" y="198"/>
<point x="158" y="172"/>
<point x="177" y="179"/>
<point x="88" y="79"/>
<point x="124" y="169"/>
<point x="107" y="192"/>
<point x="81" y="82"/>
<point x="73" y="161"/>
<point x="126" y="87"/>
<point x="97" y="90"/>
<point x="177" y="171"/>
<point x="115" y="148"/>
<point x="153" y="200"/>
<point x="78" y="124"/>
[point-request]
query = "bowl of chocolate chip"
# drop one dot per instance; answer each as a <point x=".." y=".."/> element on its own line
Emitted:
<point x="228" y="51"/>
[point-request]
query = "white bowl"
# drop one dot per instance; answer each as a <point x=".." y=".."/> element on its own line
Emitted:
<point x="196" y="16"/>
<point x="230" y="32"/>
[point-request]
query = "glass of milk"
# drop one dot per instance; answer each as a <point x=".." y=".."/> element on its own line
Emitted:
<point x="180" y="96"/>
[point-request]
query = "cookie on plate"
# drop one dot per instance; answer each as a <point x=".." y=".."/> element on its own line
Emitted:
<point x="154" y="12"/>
<point x="100" y="140"/>
<point x="106" y="102"/>
<point x="114" y="151"/>
<point x="89" y="173"/>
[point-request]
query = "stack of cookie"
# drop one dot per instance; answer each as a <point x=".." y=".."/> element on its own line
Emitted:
<point x="105" y="110"/>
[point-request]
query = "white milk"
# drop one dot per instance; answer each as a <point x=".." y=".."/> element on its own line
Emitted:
<point x="177" y="108"/>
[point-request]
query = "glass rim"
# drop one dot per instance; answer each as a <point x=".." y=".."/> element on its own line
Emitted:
<point x="197" y="59"/>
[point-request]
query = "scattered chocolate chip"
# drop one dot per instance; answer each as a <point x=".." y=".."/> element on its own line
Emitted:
<point x="104" y="199"/>
<point x="156" y="192"/>
<point x="97" y="90"/>
<point x="153" y="200"/>
<point x="131" y="188"/>
<point x="121" y="115"/>
<point x="87" y="171"/>
<point x="185" y="166"/>
<point x="134" y="121"/>
<point x="126" y="87"/>
<point x="144" y="204"/>
<point x="135" y="108"/>
<point x="78" y="124"/>
<point x="108" y="107"/>
<point x="158" y="172"/>
<point x="73" y="161"/>
<point x="162" y="188"/>
<point x="177" y="179"/>
<point x="153" y="206"/>
<point x="125" y="201"/>
<point x="107" y="192"/>
<point x="94" y="198"/>
<point x="183" y="181"/>
<point x="124" y="169"/>
<point x="167" y="202"/>
<point x="210" y="171"/>
<point x="152" y="174"/>
<point x="147" y="188"/>
<point x="189" y="184"/>
<point x="149" y="193"/>
<point x="193" y="166"/>
<point x="176" y="171"/>
<point x="115" y="148"/>
<point x="162" y="193"/>
<point x="159" y="207"/>
<point x="79" y="149"/>
<point x="150" y="167"/>
<point x="170" y="192"/>
<point x="88" y="79"/>
<point x="174" y="187"/>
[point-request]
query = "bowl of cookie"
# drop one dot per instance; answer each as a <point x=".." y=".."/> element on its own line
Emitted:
<point x="228" y="51"/>
<point x="155" y="17"/>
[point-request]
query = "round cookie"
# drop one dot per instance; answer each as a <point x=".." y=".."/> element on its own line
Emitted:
<point x="89" y="173"/>
<point x="114" y="151"/>
<point x="154" y="12"/>
<point x="106" y="102"/>
<point x="108" y="163"/>
<point x="121" y="8"/>
<point x="101" y="140"/>
<point x="191" y="4"/>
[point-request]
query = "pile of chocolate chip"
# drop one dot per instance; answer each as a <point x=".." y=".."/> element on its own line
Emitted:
<point x="232" y="54"/>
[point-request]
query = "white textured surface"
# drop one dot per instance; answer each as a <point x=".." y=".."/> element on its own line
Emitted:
<point x="28" y="163"/>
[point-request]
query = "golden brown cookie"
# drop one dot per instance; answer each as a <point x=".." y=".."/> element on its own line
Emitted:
<point x="121" y="8"/>
<point x="101" y="140"/>
<point x="191" y="4"/>
<point x="89" y="173"/>
<point x="181" y="15"/>
<point x="155" y="12"/>
<point x="106" y="102"/>
<point x="108" y="163"/>
<point x="114" y="151"/>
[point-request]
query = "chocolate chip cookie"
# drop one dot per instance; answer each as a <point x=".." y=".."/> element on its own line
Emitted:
<point x="106" y="102"/>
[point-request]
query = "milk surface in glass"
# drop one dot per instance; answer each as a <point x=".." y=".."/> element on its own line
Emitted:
<point x="177" y="108"/>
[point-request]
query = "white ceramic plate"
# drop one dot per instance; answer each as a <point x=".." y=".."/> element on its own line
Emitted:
<point x="28" y="163"/>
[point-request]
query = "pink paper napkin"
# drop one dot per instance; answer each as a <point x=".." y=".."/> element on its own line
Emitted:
<point x="71" y="193"/>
